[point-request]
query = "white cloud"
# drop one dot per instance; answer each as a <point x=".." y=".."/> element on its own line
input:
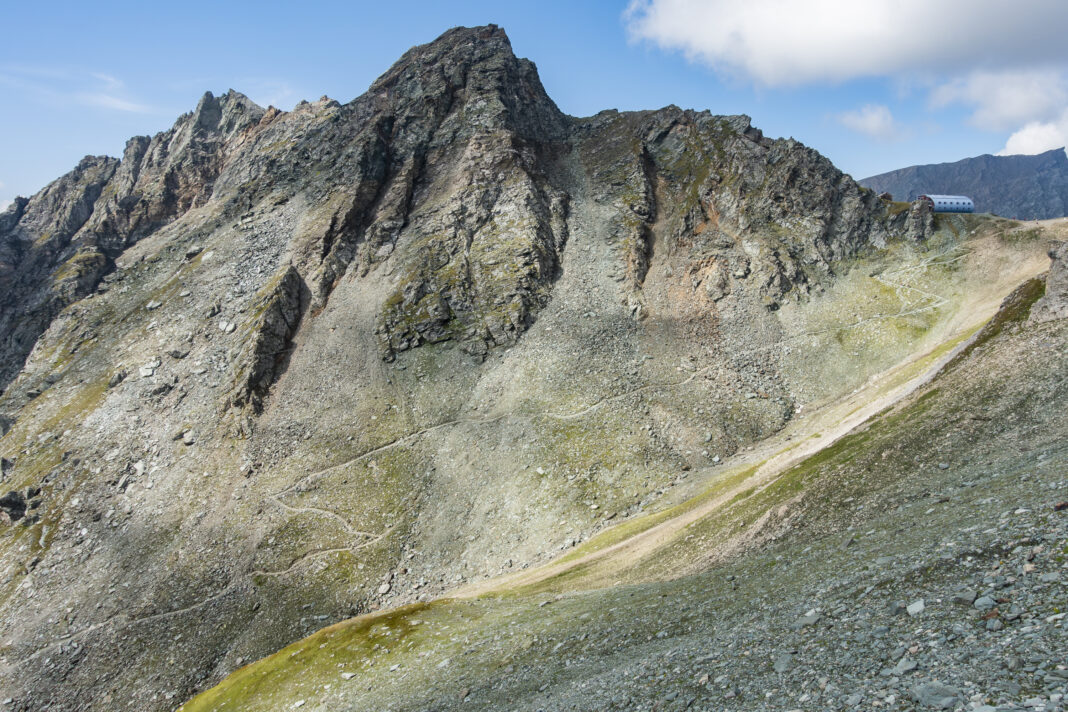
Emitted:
<point x="785" y="42"/>
<point x="108" y="101"/>
<point x="874" y="120"/>
<point x="71" y="86"/>
<point x="109" y="81"/>
<point x="4" y="204"/>
<point x="1038" y="136"/>
<point x="1006" y="100"/>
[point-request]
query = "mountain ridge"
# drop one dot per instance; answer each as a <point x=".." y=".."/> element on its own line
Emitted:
<point x="1027" y="187"/>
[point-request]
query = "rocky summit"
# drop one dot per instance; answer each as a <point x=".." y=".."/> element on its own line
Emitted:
<point x="444" y="399"/>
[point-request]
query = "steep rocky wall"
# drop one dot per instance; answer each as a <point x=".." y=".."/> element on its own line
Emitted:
<point x="41" y="271"/>
<point x="1054" y="303"/>
<point x="57" y="245"/>
<point x="715" y="188"/>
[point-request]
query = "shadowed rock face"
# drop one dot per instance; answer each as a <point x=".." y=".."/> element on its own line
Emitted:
<point x="275" y="368"/>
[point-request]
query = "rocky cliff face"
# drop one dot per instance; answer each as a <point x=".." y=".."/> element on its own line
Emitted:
<point x="56" y="246"/>
<point x="273" y="369"/>
<point x="1054" y="302"/>
<point x="1019" y="187"/>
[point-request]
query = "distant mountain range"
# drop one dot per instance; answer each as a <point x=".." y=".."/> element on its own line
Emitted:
<point x="1025" y="187"/>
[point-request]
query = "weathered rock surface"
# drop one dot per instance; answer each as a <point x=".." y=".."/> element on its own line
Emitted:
<point x="276" y="317"/>
<point x="1054" y="304"/>
<point x="56" y="246"/>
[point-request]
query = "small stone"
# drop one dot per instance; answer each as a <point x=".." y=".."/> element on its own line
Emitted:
<point x="965" y="597"/>
<point x="809" y="619"/>
<point x="153" y="305"/>
<point x="984" y="603"/>
<point x="13" y="504"/>
<point x="943" y="466"/>
<point x="994" y="624"/>
<point x="149" y="369"/>
<point x="384" y="588"/>
<point x="192" y="251"/>
<point x="347" y="675"/>
<point x="897" y="608"/>
<point x="916" y="608"/>
<point x="188" y="437"/>
<point x="904" y="665"/>
<point x="784" y="663"/>
<point x="936" y="695"/>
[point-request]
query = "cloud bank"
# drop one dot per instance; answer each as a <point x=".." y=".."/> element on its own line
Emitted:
<point x="783" y="42"/>
<point x="1005" y="63"/>
<point x="1038" y="137"/>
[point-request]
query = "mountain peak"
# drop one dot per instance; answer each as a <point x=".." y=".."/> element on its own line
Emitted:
<point x="474" y="67"/>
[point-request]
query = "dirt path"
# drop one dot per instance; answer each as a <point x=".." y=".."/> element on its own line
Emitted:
<point x="820" y="430"/>
<point x="823" y="427"/>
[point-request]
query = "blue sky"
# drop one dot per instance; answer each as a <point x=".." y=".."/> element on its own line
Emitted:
<point x="874" y="86"/>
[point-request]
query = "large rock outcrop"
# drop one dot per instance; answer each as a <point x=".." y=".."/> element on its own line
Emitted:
<point x="1054" y="303"/>
<point x="56" y="246"/>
